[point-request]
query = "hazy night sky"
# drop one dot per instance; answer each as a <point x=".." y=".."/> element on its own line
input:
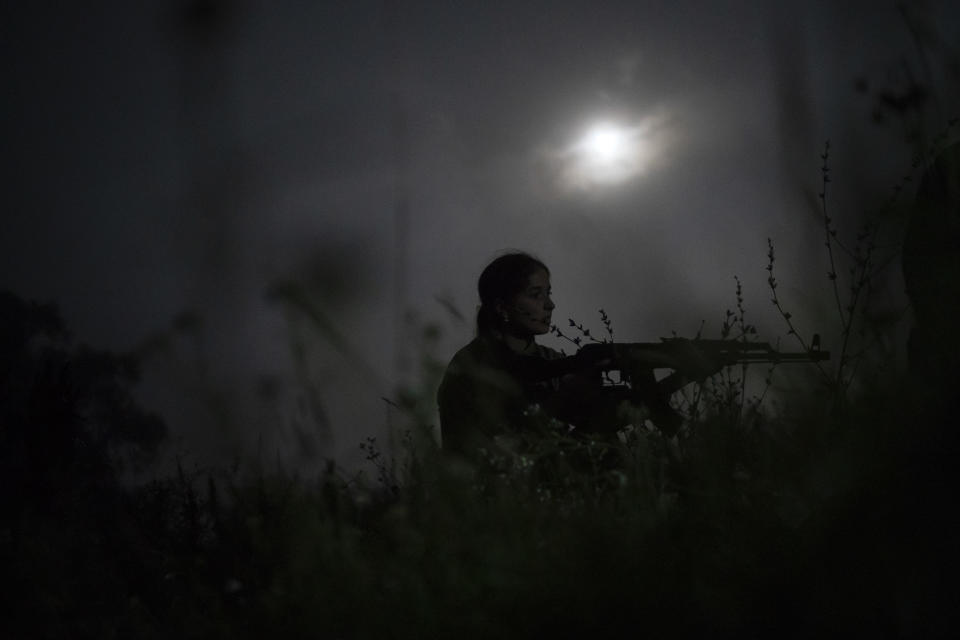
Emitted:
<point x="163" y="160"/>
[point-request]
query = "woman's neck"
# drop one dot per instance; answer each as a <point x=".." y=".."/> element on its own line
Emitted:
<point x="520" y="344"/>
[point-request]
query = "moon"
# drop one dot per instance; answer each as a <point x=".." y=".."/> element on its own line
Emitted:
<point x="606" y="145"/>
<point x="605" y="154"/>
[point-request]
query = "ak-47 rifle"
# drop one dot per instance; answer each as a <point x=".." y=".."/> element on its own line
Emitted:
<point x="690" y="360"/>
<point x="674" y="352"/>
<point x="694" y="359"/>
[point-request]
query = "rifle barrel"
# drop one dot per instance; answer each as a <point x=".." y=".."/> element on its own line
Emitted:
<point x="736" y="351"/>
<point x="773" y="356"/>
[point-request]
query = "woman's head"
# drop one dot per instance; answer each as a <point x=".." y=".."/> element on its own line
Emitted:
<point x="514" y="296"/>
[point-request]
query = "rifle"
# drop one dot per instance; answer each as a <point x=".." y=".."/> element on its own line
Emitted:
<point x="671" y="352"/>
<point x="691" y="360"/>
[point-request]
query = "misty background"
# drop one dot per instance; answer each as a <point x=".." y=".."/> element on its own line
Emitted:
<point x="270" y="201"/>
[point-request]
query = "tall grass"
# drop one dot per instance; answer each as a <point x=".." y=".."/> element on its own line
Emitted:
<point x="745" y="528"/>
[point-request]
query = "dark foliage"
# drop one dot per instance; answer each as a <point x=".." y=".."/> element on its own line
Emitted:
<point x="68" y="428"/>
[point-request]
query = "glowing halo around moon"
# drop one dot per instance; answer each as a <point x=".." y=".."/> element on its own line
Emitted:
<point x="606" y="154"/>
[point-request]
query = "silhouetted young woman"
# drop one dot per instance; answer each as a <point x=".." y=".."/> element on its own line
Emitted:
<point x="493" y="385"/>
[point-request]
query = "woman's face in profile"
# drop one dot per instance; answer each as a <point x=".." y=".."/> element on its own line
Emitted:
<point x="529" y="313"/>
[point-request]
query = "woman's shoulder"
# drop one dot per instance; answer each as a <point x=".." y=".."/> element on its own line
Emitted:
<point x="484" y="353"/>
<point x="480" y="363"/>
<point x="479" y="351"/>
<point x="488" y="350"/>
<point x="549" y="354"/>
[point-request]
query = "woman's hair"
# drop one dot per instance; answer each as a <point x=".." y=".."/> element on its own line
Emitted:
<point x="500" y="281"/>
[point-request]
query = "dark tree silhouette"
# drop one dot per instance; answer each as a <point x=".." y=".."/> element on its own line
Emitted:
<point x="931" y="271"/>
<point x="67" y="415"/>
<point x="68" y="428"/>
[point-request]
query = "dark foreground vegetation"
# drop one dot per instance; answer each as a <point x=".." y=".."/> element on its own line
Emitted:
<point x="826" y="518"/>
<point x="833" y="514"/>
